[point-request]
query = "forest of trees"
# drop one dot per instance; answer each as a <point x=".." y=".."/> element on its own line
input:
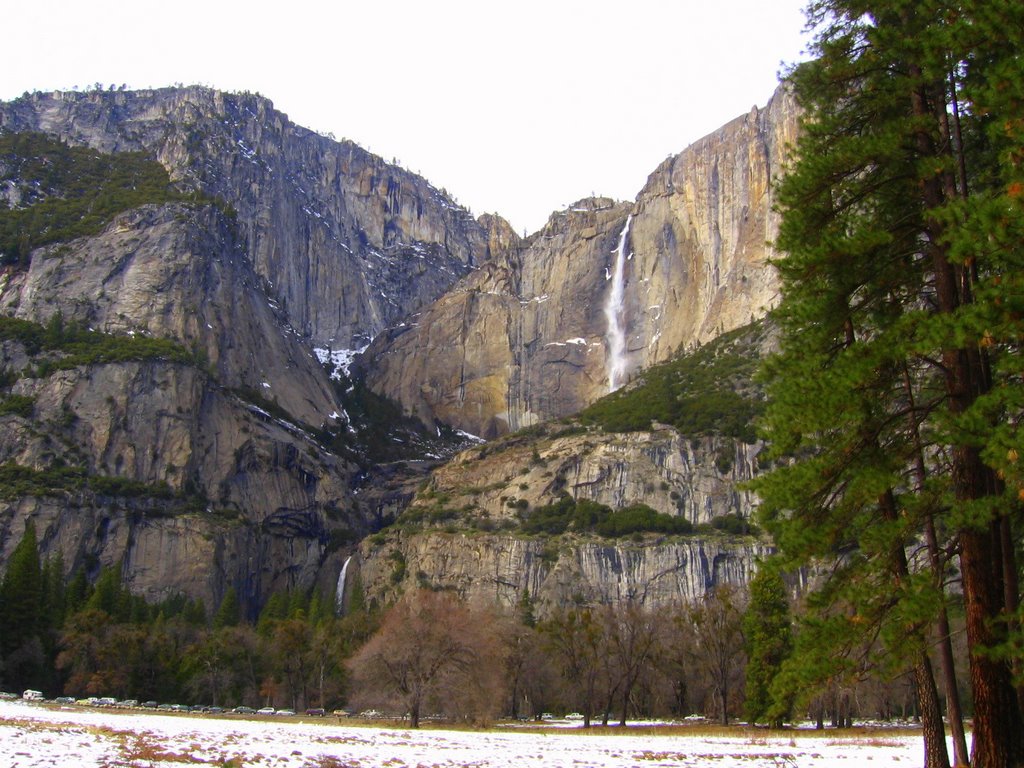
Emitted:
<point x="429" y="655"/>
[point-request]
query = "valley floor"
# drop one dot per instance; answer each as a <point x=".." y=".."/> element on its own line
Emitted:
<point x="32" y="736"/>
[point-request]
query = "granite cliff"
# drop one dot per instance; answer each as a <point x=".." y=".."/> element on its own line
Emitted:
<point x="463" y="531"/>
<point x="528" y="337"/>
<point x="347" y="243"/>
<point x="229" y="459"/>
<point x="198" y="472"/>
<point x="312" y="245"/>
<point x="577" y="510"/>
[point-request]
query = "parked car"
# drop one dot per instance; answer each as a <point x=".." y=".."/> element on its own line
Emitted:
<point x="31" y="695"/>
<point x="64" y="700"/>
<point x="315" y="712"/>
<point x="244" y="711"/>
<point x="266" y="711"/>
<point x="150" y="704"/>
<point x="285" y="712"/>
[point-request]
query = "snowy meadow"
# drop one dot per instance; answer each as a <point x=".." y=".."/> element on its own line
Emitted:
<point x="35" y="735"/>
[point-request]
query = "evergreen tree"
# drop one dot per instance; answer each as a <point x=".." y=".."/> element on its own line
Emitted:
<point x="22" y="620"/>
<point x="229" y="614"/>
<point x="76" y="593"/>
<point x="897" y="387"/>
<point x="54" y="604"/>
<point x="527" y="617"/>
<point x="275" y="610"/>
<point x="109" y="596"/>
<point x="195" y="613"/>
<point x="767" y="632"/>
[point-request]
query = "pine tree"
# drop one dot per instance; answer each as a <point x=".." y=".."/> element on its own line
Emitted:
<point x="527" y="617"/>
<point x="110" y="596"/>
<point x="22" y="590"/>
<point x="901" y="327"/>
<point x="767" y="632"/>
<point x="229" y="613"/>
<point x="275" y="610"/>
<point x="22" y="620"/>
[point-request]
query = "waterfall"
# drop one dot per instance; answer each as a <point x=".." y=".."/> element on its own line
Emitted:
<point x="339" y="595"/>
<point x="613" y="312"/>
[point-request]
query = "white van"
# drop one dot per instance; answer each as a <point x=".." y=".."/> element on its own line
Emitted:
<point x="31" y="695"/>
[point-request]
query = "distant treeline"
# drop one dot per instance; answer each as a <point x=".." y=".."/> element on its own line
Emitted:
<point x="429" y="654"/>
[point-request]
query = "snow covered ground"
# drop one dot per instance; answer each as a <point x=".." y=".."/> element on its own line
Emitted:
<point x="33" y="735"/>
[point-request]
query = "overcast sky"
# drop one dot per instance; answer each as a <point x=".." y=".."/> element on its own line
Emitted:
<point x="518" y="108"/>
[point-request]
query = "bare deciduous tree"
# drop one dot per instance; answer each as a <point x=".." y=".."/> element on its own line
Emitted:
<point x="575" y="638"/>
<point x="716" y="624"/>
<point x="431" y="653"/>
<point x="631" y="634"/>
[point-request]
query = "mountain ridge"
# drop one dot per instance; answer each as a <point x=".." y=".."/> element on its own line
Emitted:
<point x="296" y="246"/>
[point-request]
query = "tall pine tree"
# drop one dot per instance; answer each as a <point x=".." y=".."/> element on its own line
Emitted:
<point x="897" y="392"/>
<point x="22" y="620"/>
<point x="767" y="634"/>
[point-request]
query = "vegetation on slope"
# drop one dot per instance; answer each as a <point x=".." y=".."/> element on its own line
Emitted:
<point x="586" y="516"/>
<point x="707" y="391"/>
<point x="17" y="481"/>
<point x="61" y="346"/>
<point x="63" y="192"/>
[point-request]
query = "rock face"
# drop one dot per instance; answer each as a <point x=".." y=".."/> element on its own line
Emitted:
<point x="219" y="471"/>
<point x="179" y="273"/>
<point x="251" y="499"/>
<point x="518" y="341"/>
<point x="526" y="338"/>
<point x="347" y="243"/>
<point x="692" y="478"/>
<point x="323" y="245"/>
<point x="477" y="552"/>
<point x="497" y="569"/>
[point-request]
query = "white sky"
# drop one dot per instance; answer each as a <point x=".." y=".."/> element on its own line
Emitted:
<point x="518" y="108"/>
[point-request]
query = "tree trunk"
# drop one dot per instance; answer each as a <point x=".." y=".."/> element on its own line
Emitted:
<point x="935" y="753"/>
<point x="947" y="666"/>
<point x="1011" y="602"/>
<point x="997" y="740"/>
<point x="954" y="710"/>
